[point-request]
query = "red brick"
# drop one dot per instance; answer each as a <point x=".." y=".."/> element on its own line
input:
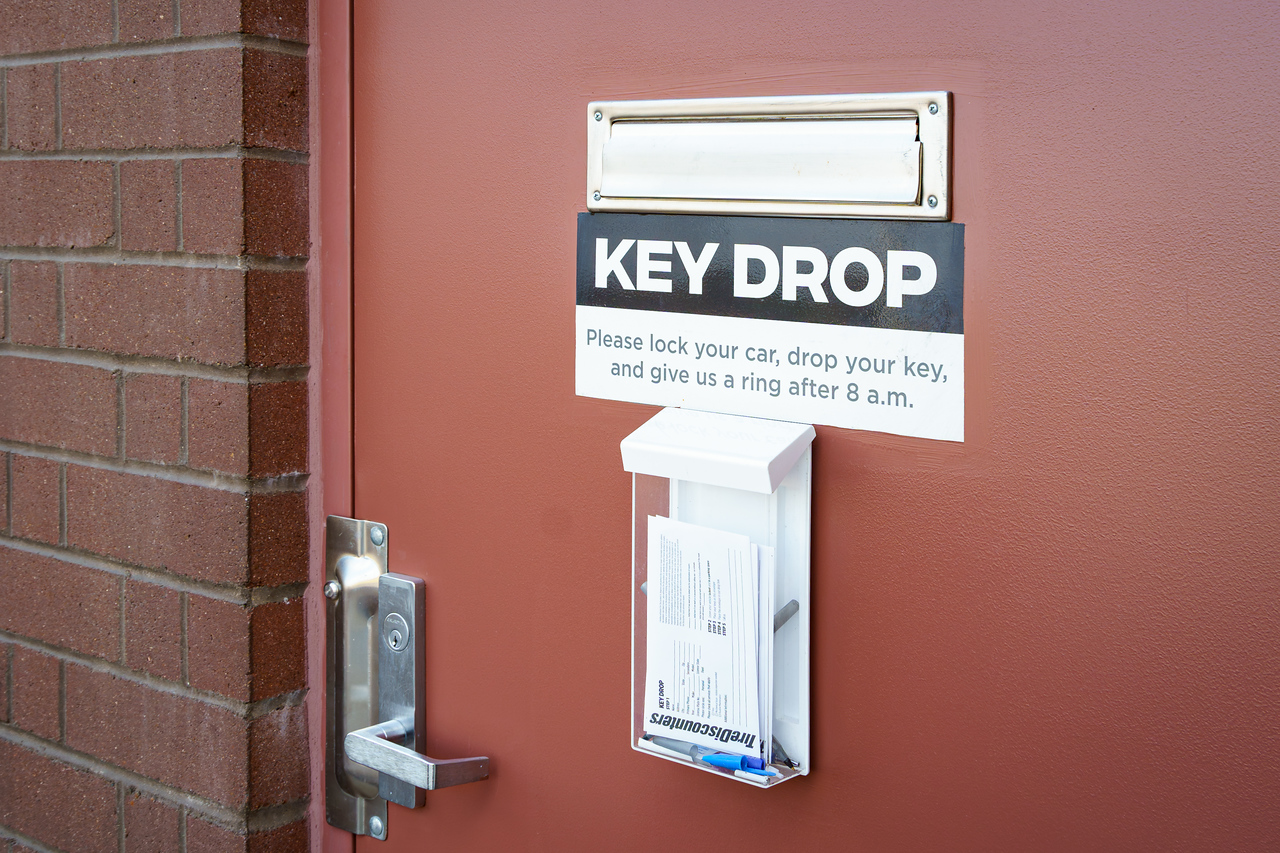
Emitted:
<point x="210" y="17"/>
<point x="56" y="203"/>
<point x="186" y="529"/>
<point x="55" y="804"/>
<point x="61" y="405"/>
<point x="277" y="650"/>
<point x="275" y="100"/>
<point x="277" y="428"/>
<point x="218" y="646"/>
<point x="282" y="19"/>
<point x="36" y="25"/>
<point x="33" y="308"/>
<point x="6" y="651"/>
<point x="276" y="313"/>
<point x="149" y="826"/>
<point x="60" y="603"/>
<point x="275" y="208"/>
<point x="31" y="105"/>
<point x="278" y="538"/>
<point x="152" y="417"/>
<point x="4" y="492"/>
<point x="36" y="685"/>
<point x="171" y="312"/>
<point x="278" y="773"/>
<point x="246" y="654"/>
<point x="146" y="20"/>
<point x="177" y="740"/>
<point x="153" y="630"/>
<point x="218" y="425"/>
<point x="36" y="501"/>
<point x="285" y="839"/>
<point x="149" y="205"/>
<point x="213" y="206"/>
<point x="173" y="100"/>
<point x="204" y="837"/>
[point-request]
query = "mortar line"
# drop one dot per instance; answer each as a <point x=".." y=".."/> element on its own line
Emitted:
<point x="110" y="155"/>
<point x="177" y="18"/>
<point x="115" y="21"/>
<point x="187" y="476"/>
<point x="157" y="365"/>
<point x="15" y="838"/>
<point x="160" y="47"/>
<point x="57" y="105"/>
<point x="115" y="256"/>
<point x="239" y="709"/>
<point x="263" y="818"/>
<point x="243" y="596"/>
<point x="182" y="829"/>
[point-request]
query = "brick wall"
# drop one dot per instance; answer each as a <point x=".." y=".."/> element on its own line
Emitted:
<point x="153" y="425"/>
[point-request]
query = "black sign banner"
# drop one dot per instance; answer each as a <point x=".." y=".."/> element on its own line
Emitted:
<point x="887" y="274"/>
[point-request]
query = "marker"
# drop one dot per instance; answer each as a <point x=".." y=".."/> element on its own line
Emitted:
<point x="683" y="747"/>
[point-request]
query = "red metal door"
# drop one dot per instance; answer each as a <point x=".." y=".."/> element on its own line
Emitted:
<point x="1051" y="636"/>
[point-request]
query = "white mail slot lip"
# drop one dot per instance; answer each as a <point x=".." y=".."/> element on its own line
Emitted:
<point x="872" y="156"/>
<point x="832" y="160"/>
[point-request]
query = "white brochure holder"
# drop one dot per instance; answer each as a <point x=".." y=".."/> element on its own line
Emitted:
<point x="747" y="476"/>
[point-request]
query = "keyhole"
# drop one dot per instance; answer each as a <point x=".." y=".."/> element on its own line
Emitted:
<point x="396" y="631"/>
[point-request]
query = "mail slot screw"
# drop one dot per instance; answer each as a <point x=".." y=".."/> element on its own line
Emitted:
<point x="375" y="826"/>
<point x="933" y="201"/>
<point x="596" y="196"/>
<point x="933" y="109"/>
<point x="378" y="535"/>
<point x="331" y="589"/>
<point x="599" y="116"/>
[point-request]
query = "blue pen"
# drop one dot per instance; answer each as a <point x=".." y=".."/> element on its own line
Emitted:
<point x="736" y="762"/>
<point x="763" y="772"/>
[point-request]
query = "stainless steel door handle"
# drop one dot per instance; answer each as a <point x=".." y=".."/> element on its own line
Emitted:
<point x="376" y="719"/>
<point x="376" y="747"/>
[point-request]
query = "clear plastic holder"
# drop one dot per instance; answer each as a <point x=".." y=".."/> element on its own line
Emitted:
<point x="746" y="476"/>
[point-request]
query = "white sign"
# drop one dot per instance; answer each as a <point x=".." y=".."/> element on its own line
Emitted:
<point x="787" y="332"/>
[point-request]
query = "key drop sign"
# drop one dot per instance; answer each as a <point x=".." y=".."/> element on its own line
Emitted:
<point x="846" y="322"/>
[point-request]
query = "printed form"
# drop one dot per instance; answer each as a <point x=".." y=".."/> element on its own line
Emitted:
<point x="705" y="622"/>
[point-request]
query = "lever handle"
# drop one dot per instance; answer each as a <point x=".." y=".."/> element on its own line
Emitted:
<point x="376" y="714"/>
<point x="375" y="747"/>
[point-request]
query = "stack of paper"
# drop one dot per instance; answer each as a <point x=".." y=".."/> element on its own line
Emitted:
<point x="709" y="650"/>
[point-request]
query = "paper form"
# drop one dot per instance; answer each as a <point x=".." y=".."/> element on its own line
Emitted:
<point x="702" y="680"/>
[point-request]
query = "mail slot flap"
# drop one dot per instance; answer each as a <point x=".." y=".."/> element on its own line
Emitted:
<point x="752" y="454"/>
<point x="834" y="160"/>
<point x="883" y="156"/>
